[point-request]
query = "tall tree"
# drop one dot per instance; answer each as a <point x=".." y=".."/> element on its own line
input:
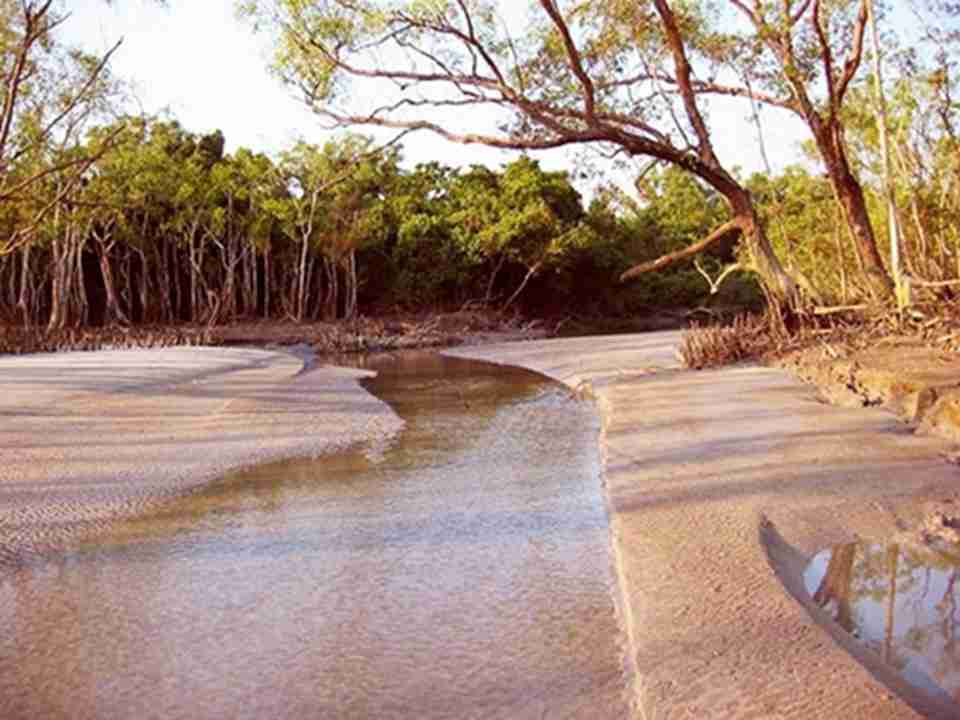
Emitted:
<point x="48" y="95"/>
<point x="802" y="56"/>
<point x="575" y="74"/>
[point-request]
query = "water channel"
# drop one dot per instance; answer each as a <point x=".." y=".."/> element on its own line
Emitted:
<point x="461" y="570"/>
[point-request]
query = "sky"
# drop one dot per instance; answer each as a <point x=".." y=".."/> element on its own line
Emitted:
<point x="209" y="69"/>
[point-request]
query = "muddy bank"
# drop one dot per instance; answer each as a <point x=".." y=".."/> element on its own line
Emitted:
<point x="722" y="485"/>
<point x="87" y="438"/>
<point x="919" y="384"/>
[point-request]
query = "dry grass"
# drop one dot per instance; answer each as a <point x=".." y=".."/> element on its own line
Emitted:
<point x="706" y="346"/>
<point x="767" y="337"/>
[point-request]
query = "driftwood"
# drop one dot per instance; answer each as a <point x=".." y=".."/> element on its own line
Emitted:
<point x="821" y="311"/>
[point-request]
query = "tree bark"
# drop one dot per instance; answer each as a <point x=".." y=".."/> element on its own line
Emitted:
<point x="850" y="194"/>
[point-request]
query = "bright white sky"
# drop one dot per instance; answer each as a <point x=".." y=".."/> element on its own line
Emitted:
<point x="196" y="59"/>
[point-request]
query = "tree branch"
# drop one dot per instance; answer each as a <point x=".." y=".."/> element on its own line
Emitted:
<point x="856" y="53"/>
<point x="574" y="58"/>
<point x="684" y="83"/>
<point x="735" y="225"/>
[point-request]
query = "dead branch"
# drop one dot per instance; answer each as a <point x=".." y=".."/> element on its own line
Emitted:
<point x="822" y="311"/>
<point x="724" y="274"/>
<point x="663" y="261"/>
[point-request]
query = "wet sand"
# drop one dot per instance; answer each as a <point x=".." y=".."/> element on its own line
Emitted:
<point x="722" y="486"/>
<point x="460" y="570"/>
<point x="87" y="438"/>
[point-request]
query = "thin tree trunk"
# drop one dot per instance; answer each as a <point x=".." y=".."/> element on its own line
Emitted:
<point x="331" y="299"/>
<point x="25" y="302"/>
<point x="531" y="271"/>
<point x="114" y="313"/>
<point x="888" y="189"/>
<point x="267" y="286"/>
<point x="302" y="278"/>
<point x="143" y="288"/>
<point x="844" y="296"/>
<point x="174" y="269"/>
<point x="350" y="285"/>
<point x="493" y="278"/>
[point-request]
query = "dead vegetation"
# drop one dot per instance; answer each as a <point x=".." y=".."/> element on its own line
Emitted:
<point x="362" y="335"/>
<point x="714" y="345"/>
<point x="838" y="334"/>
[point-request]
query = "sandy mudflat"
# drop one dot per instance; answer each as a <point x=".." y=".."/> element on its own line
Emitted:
<point x="721" y="486"/>
<point x="89" y="437"/>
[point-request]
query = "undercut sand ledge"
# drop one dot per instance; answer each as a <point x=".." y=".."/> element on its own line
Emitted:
<point x="721" y="486"/>
<point x="87" y="438"/>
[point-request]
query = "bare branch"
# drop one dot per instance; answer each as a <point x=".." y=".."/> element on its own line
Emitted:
<point x="856" y="53"/>
<point x="509" y="143"/>
<point x="826" y="57"/>
<point x="728" y="228"/>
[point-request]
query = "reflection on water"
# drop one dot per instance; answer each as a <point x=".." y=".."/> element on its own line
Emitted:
<point x="461" y="571"/>
<point x="901" y="601"/>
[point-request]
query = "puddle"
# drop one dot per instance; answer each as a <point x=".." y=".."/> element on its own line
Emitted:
<point x="901" y="602"/>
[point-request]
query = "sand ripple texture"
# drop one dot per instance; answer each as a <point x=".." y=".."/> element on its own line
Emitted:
<point x="86" y="438"/>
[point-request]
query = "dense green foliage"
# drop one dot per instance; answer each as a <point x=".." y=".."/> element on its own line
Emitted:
<point x="132" y="220"/>
<point x="167" y="227"/>
<point x="639" y="79"/>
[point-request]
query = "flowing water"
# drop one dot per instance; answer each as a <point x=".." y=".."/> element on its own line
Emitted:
<point x="901" y="601"/>
<point x="460" y="571"/>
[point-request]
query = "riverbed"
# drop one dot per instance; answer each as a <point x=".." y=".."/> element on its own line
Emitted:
<point x="459" y="568"/>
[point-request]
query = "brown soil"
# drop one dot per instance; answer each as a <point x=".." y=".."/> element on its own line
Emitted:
<point x="916" y="380"/>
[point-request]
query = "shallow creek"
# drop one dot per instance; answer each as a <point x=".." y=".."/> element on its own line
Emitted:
<point x="460" y="571"/>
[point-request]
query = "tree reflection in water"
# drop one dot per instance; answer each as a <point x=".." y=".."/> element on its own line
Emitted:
<point x="901" y="601"/>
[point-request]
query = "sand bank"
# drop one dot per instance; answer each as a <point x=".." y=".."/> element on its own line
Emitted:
<point x="89" y="437"/>
<point x="721" y="485"/>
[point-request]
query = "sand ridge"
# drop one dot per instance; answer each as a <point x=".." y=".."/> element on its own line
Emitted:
<point x="89" y="437"/>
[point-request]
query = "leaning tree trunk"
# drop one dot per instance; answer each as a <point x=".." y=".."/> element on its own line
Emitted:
<point x="830" y="143"/>
<point x="531" y="271"/>
<point x="854" y="204"/>
<point x="778" y="285"/>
